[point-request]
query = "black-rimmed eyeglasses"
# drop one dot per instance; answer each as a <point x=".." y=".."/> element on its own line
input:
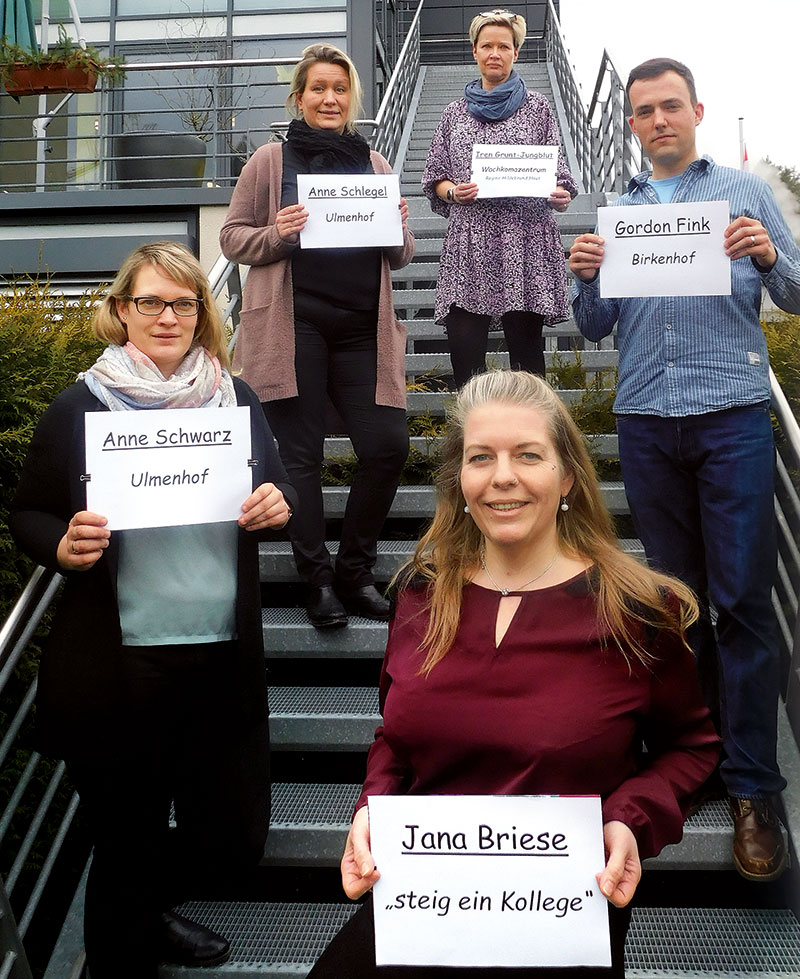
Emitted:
<point x="152" y="305"/>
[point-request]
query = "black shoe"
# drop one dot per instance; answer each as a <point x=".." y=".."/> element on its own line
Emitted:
<point x="184" y="942"/>
<point x="323" y="608"/>
<point x="366" y="601"/>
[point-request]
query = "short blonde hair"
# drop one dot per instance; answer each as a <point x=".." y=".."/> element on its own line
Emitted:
<point x="502" y="18"/>
<point x="326" y="54"/>
<point x="177" y="263"/>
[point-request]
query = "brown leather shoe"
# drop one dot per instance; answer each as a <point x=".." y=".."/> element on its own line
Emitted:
<point x="758" y="848"/>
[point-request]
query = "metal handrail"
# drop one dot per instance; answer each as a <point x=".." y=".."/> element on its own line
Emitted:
<point x="393" y="110"/>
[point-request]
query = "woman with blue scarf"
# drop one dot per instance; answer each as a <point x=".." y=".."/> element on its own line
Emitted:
<point x="502" y="257"/>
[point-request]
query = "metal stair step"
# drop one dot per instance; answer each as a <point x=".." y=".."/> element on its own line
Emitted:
<point x="434" y="402"/>
<point x="601" y="446"/>
<point x="591" y="360"/>
<point x="309" y="824"/>
<point x="275" y="940"/>
<point x="322" y="718"/>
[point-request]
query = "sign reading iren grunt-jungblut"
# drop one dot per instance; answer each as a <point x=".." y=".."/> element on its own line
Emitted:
<point x="489" y="881"/>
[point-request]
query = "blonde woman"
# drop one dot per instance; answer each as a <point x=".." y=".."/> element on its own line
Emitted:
<point x="529" y="655"/>
<point x="152" y="682"/>
<point x="317" y="325"/>
<point x="502" y="257"/>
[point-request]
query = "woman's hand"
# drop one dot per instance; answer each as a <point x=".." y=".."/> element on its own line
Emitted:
<point x="265" y="507"/>
<point x="290" y="221"/>
<point x="623" y="867"/>
<point x="358" y="867"/>
<point x="464" y="193"/>
<point x="404" y="212"/>
<point x="560" y="198"/>
<point x="85" y="540"/>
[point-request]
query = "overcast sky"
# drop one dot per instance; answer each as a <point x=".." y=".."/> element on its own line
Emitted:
<point x="745" y="58"/>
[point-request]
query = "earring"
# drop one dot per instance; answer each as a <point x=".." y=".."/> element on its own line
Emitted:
<point x="466" y="509"/>
<point x="564" y="504"/>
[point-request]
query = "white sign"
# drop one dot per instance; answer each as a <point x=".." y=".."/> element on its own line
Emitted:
<point x="665" y="250"/>
<point x="350" y="210"/>
<point x="168" y="467"/>
<point x="489" y="881"/>
<point x="514" y="170"/>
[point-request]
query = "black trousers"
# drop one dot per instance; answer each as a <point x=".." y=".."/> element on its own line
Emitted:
<point x="351" y="955"/>
<point x="186" y="745"/>
<point x="336" y="357"/>
<point x="468" y="336"/>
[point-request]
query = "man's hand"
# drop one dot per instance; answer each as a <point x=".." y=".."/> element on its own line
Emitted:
<point x="748" y="238"/>
<point x="586" y="256"/>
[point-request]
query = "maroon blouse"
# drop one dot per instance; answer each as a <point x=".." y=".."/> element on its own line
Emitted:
<point x="552" y="710"/>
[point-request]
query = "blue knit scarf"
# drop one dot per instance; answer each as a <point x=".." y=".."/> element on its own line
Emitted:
<point x="499" y="103"/>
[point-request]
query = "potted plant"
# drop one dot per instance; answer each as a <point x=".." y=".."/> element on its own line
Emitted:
<point x="65" y="67"/>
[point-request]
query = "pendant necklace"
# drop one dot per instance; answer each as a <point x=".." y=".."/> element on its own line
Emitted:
<point x="505" y="591"/>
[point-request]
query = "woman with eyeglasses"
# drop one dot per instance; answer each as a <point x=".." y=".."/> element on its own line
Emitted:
<point x="152" y="682"/>
<point x="502" y="258"/>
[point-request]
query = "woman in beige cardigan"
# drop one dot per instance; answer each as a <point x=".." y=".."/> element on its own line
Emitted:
<point x="319" y="324"/>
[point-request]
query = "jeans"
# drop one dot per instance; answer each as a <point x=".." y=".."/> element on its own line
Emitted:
<point x="468" y="335"/>
<point x="336" y="357"/>
<point x="701" y="490"/>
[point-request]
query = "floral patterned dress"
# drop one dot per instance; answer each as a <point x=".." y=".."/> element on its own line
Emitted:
<point x="499" y="254"/>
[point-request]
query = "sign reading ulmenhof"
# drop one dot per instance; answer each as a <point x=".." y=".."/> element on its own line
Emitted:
<point x="350" y="210"/>
<point x="489" y="881"/>
<point x="168" y="467"/>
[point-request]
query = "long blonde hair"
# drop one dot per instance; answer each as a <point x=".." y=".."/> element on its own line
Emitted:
<point x="629" y="595"/>
<point x="330" y="55"/>
<point x="177" y="263"/>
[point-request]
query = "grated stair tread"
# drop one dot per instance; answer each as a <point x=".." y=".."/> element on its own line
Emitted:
<point x="274" y="940"/>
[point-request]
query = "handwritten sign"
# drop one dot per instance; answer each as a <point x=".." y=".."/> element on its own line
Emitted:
<point x="502" y="170"/>
<point x="350" y="210"/>
<point x="489" y="881"/>
<point x="665" y="250"/>
<point x="166" y="468"/>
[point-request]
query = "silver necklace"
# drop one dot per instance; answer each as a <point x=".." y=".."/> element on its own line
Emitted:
<point x="505" y="591"/>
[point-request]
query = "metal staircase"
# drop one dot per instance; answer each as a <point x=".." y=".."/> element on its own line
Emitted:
<point x="696" y="919"/>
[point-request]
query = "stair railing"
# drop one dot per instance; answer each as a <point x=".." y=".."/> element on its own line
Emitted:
<point x="617" y="152"/>
<point x="36" y="787"/>
<point x="393" y="111"/>
<point x="577" y="120"/>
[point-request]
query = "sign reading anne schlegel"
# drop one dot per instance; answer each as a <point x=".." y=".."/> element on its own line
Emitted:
<point x="350" y="210"/>
<point x="509" y="170"/>
<point x="489" y="881"/>
<point x="168" y="467"/>
<point x="665" y="250"/>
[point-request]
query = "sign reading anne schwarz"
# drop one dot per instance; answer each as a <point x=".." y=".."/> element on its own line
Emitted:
<point x="168" y="467"/>
<point x="665" y="250"/>
<point x="489" y="881"/>
<point x="350" y="210"/>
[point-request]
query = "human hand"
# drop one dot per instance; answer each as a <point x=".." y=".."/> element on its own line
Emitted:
<point x="623" y="869"/>
<point x="265" y="507"/>
<point x="85" y="540"/>
<point x="404" y="212"/>
<point x="465" y="193"/>
<point x="560" y="199"/>
<point x="586" y="256"/>
<point x="748" y="238"/>
<point x="358" y="867"/>
<point x="290" y="221"/>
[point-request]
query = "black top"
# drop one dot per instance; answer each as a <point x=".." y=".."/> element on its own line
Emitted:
<point x="345" y="277"/>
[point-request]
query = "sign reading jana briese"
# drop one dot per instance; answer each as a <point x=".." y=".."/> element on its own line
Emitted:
<point x="489" y="881"/>
<point x="350" y="210"/>
<point x="168" y="467"/>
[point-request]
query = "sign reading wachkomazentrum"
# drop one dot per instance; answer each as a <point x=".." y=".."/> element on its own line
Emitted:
<point x="168" y="467"/>
<point x="489" y="881"/>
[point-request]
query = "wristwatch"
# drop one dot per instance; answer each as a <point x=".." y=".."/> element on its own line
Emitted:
<point x="450" y="194"/>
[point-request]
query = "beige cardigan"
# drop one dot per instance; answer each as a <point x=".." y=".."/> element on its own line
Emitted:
<point x="265" y="346"/>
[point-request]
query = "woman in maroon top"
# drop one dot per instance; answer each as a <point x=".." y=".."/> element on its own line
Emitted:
<point x="529" y="655"/>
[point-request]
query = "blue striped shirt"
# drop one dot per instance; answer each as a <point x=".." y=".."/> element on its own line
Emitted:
<point x="688" y="355"/>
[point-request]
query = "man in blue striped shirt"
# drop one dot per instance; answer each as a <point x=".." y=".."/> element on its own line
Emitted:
<point x="695" y="438"/>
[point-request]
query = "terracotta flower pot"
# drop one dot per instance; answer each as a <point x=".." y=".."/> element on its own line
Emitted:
<point x="54" y="78"/>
